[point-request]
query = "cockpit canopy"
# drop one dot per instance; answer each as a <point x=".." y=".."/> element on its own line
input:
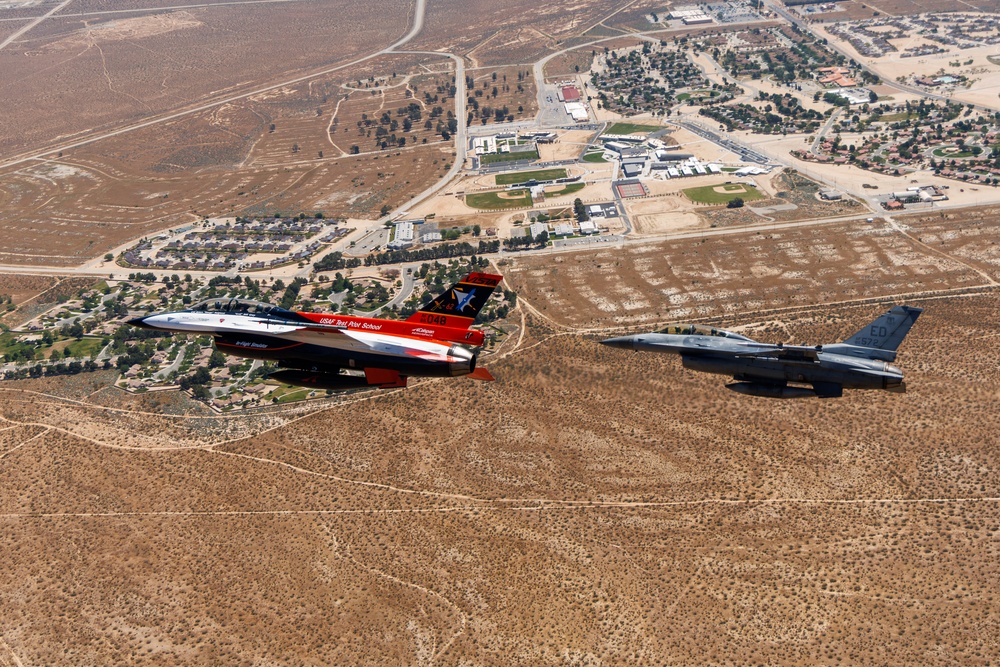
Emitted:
<point x="700" y="330"/>
<point x="240" y="307"/>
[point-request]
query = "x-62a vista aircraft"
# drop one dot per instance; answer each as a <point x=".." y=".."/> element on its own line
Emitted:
<point x="764" y="369"/>
<point x="321" y="350"/>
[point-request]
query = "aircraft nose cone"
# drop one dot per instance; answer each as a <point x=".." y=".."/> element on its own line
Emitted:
<point x="140" y="322"/>
<point x="622" y="343"/>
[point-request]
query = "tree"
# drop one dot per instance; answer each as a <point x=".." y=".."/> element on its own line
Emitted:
<point x="735" y="202"/>
<point x="217" y="360"/>
<point x="580" y="210"/>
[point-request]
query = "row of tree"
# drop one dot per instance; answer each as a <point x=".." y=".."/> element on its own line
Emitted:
<point x="442" y="251"/>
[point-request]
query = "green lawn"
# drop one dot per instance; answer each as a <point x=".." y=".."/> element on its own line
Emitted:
<point x="523" y="176"/>
<point x="293" y="395"/>
<point x="85" y="347"/>
<point x="708" y="194"/>
<point x="286" y="393"/>
<point x="594" y="157"/>
<point x="492" y="200"/>
<point x="951" y="151"/>
<point x="631" y="128"/>
<point x="508" y="157"/>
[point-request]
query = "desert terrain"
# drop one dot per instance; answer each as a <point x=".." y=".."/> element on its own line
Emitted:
<point x="592" y="505"/>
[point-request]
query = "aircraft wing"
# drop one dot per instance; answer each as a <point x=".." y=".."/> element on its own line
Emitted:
<point x="386" y="345"/>
<point x="784" y="352"/>
<point x="376" y="343"/>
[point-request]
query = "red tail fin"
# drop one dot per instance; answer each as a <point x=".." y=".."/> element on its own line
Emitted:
<point x="459" y="306"/>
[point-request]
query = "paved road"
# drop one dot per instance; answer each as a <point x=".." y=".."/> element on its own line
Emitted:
<point x="461" y="138"/>
<point x="826" y="128"/>
<point x="404" y="292"/>
<point x="32" y="24"/>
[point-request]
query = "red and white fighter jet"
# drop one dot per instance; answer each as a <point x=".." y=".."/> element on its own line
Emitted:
<point x="329" y="351"/>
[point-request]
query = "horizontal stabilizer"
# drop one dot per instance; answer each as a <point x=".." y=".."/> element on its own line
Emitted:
<point x="481" y="374"/>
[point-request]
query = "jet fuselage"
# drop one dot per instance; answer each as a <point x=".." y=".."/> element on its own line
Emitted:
<point x="763" y="369"/>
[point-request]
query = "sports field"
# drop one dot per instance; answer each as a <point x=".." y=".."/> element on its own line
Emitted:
<point x="631" y="128"/>
<point x="722" y="194"/>
<point x="494" y="200"/>
<point x="525" y="176"/>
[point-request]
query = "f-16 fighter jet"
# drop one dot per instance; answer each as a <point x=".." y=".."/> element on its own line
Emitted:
<point x="764" y="369"/>
<point x="328" y="351"/>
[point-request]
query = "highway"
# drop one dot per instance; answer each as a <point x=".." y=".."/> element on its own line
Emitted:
<point x="31" y="24"/>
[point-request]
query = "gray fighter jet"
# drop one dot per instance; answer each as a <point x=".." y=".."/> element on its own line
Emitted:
<point x="765" y="369"/>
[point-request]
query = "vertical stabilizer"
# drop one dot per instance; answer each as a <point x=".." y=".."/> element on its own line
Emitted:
<point x="888" y="331"/>
<point x="459" y="306"/>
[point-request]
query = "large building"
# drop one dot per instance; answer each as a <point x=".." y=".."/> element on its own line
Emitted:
<point x="853" y="95"/>
<point x="403" y="237"/>
<point x="691" y="15"/>
<point x="577" y="111"/>
<point x="570" y="94"/>
<point x="836" y="76"/>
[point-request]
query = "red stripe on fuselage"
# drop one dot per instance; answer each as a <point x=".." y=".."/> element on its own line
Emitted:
<point x="403" y="329"/>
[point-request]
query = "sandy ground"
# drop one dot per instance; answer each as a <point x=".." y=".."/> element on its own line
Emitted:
<point x="568" y="146"/>
<point x="703" y="149"/>
<point x="662" y="214"/>
<point x="669" y="210"/>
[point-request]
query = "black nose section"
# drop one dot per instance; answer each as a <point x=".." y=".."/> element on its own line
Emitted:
<point x="622" y="343"/>
<point x="139" y="322"/>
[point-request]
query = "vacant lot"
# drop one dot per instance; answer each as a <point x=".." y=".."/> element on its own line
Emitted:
<point x="768" y="269"/>
<point x="289" y="150"/>
<point x="121" y="68"/>
<point x="516" y="31"/>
